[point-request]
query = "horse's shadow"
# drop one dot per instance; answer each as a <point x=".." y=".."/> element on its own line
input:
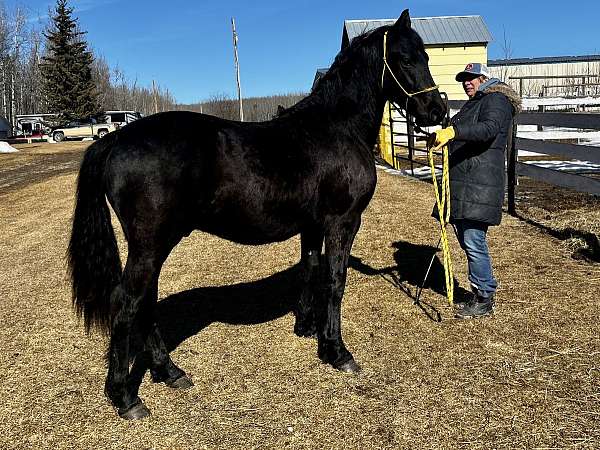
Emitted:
<point x="185" y="314"/>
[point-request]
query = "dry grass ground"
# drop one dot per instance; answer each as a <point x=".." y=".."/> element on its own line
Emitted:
<point x="527" y="378"/>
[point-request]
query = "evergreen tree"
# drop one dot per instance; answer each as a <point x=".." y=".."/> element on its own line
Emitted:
<point x="67" y="68"/>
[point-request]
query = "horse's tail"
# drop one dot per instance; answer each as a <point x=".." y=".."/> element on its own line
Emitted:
<point x="93" y="255"/>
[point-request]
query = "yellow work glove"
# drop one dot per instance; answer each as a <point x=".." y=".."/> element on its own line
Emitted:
<point x="442" y="137"/>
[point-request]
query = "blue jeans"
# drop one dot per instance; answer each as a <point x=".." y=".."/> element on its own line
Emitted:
<point x="472" y="238"/>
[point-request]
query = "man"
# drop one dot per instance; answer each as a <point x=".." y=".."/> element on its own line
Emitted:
<point x="477" y="138"/>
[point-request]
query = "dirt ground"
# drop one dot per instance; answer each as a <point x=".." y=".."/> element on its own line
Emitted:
<point x="529" y="377"/>
<point x="38" y="161"/>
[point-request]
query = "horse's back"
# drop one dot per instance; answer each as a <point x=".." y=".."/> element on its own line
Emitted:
<point x="231" y="179"/>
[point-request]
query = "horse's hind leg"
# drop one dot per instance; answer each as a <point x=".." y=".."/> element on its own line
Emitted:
<point x="136" y="283"/>
<point x="307" y="309"/>
<point x="338" y="243"/>
<point x="163" y="369"/>
<point x="133" y="302"/>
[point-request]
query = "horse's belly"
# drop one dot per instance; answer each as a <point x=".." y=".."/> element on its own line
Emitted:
<point x="250" y="229"/>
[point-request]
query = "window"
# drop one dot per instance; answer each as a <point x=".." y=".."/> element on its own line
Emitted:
<point x="117" y="117"/>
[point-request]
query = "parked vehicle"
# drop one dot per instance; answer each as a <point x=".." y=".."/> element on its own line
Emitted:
<point x="28" y="125"/>
<point x="122" y="118"/>
<point x="79" y="129"/>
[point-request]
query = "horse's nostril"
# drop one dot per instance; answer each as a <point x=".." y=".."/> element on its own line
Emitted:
<point x="436" y="115"/>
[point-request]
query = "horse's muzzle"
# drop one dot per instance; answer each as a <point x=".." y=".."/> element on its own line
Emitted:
<point x="436" y="115"/>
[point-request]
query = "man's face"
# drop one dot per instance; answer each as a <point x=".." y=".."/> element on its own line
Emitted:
<point x="470" y="85"/>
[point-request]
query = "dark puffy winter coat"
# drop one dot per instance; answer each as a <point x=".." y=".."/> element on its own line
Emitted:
<point x="477" y="153"/>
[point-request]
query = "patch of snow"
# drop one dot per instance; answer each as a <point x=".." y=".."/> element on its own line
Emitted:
<point x="594" y="142"/>
<point x="534" y="102"/>
<point x="528" y="153"/>
<point x="422" y="173"/>
<point x="565" y="133"/>
<point x="5" y="147"/>
<point x="567" y="166"/>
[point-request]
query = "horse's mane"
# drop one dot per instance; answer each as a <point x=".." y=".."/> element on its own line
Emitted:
<point x="356" y="47"/>
<point x="328" y="87"/>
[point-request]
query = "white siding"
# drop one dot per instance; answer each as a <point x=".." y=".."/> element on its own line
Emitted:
<point x="533" y="88"/>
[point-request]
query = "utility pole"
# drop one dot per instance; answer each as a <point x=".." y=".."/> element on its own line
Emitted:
<point x="155" y="97"/>
<point x="237" y="69"/>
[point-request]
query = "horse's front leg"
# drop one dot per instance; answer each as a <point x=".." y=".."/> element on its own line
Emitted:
<point x="307" y="311"/>
<point x="338" y="243"/>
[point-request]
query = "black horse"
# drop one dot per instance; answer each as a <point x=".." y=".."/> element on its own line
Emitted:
<point x="309" y="171"/>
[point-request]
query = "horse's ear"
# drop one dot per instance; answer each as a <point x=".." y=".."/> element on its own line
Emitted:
<point x="404" y="20"/>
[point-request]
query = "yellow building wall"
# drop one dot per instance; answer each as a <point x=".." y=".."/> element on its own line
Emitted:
<point x="444" y="63"/>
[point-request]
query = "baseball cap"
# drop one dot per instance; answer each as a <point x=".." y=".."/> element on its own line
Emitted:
<point x="471" y="69"/>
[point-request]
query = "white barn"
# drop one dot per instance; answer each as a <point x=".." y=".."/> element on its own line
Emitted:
<point x="550" y="76"/>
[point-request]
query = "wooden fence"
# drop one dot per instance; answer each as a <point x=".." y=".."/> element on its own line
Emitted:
<point x="515" y="168"/>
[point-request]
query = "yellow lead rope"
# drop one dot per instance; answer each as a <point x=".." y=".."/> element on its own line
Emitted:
<point x="443" y="205"/>
<point x="442" y="202"/>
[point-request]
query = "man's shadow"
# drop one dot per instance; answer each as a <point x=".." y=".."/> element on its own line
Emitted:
<point x="408" y="275"/>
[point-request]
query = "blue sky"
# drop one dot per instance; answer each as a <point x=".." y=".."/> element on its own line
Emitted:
<point x="186" y="45"/>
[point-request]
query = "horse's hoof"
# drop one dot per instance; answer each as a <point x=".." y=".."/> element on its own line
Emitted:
<point x="305" y="331"/>
<point x="349" y="366"/>
<point x="135" y="412"/>
<point x="183" y="382"/>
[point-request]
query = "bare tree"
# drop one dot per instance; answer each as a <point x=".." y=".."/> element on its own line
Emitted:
<point x="256" y="109"/>
<point x="507" y="53"/>
<point x="118" y="93"/>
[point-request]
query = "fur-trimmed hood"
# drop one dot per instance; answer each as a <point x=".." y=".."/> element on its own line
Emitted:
<point x="495" y="85"/>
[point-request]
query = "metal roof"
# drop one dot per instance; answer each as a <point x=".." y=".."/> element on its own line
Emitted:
<point x="433" y="30"/>
<point x="543" y="60"/>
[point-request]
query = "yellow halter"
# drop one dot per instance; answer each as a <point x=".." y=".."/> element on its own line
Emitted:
<point x="387" y="66"/>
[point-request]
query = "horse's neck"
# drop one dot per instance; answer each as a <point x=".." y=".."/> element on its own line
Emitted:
<point x="358" y="102"/>
<point x="354" y="101"/>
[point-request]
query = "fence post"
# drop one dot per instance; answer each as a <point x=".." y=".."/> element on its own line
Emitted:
<point x="512" y="167"/>
<point x="411" y="141"/>
<point x="520" y="87"/>
<point x="393" y="150"/>
<point x="541" y="108"/>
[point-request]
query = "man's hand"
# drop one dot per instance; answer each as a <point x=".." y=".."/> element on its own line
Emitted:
<point x="441" y="137"/>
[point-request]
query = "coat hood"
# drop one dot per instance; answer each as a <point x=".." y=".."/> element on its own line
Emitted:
<point x="495" y="85"/>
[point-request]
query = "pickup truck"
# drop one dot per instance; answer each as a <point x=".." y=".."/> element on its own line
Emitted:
<point x="79" y="129"/>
